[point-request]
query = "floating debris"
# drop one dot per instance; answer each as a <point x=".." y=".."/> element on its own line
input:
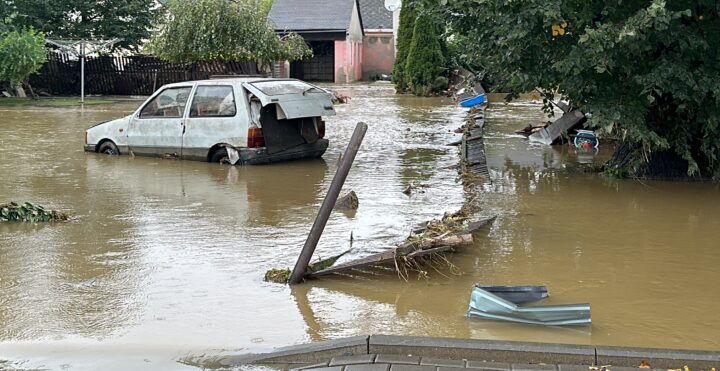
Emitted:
<point x="348" y="202"/>
<point x="283" y="275"/>
<point x="27" y="212"/>
<point x="487" y="305"/>
<point x="339" y="98"/>
<point x="277" y="275"/>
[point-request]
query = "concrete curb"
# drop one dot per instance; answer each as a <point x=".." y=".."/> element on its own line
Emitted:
<point x="483" y="350"/>
<point x="658" y="358"/>
<point x="480" y="350"/>
<point x="303" y="353"/>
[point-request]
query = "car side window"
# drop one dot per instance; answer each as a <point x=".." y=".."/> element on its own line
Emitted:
<point x="213" y="101"/>
<point x="169" y="103"/>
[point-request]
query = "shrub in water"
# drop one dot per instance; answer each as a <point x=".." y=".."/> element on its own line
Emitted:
<point x="27" y="212"/>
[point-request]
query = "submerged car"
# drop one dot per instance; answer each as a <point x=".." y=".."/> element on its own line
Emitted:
<point x="234" y="120"/>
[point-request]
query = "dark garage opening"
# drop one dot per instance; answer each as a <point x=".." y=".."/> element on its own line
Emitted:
<point x="321" y="67"/>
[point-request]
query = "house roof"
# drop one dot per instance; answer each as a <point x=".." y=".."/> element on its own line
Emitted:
<point x="375" y="16"/>
<point x="311" y="15"/>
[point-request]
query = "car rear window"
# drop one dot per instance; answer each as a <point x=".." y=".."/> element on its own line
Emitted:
<point x="285" y="87"/>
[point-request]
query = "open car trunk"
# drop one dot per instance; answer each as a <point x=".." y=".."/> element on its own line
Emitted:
<point x="289" y="109"/>
<point x="284" y="134"/>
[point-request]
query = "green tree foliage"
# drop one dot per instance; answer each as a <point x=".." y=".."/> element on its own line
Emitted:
<point x="129" y="20"/>
<point x="22" y="53"/>
<point x="425" y="61"/>
<point x="647" y="70"/>
<point x="203" y="30"/>
<point x="404" y="40"/>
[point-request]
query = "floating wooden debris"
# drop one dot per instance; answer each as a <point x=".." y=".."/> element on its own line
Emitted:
<point x="473" y="163"/>
<point x="532" y="129"/>
<point x="552" y="132"/>
<point x="27" y="212"/>
<point x="437" y="237"/>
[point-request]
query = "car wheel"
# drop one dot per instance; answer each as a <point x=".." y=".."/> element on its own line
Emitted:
<point x="220" y="156"/>
<point x="109" y="148"/>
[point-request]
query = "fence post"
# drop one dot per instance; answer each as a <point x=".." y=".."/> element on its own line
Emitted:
<point x="328" y="204"/>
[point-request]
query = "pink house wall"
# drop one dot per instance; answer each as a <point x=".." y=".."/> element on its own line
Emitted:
<point x="378" y="54"/>
<point x="348" y="61"/>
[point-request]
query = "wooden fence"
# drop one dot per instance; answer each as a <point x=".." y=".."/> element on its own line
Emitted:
<point x="133" y="75"/>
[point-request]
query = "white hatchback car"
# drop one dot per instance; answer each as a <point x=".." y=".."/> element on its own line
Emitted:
<point x="235" y="120"/>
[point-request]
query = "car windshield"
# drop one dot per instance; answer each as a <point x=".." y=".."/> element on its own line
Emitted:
<point x="285" y="87"/>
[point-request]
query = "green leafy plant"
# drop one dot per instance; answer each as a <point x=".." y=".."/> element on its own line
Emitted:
<point x="22" y="53"/>
<point x="647" y="70"/>
<point x="205" y="30"/>
<point x="27" y="212"/>
<point x="425" y="61"/>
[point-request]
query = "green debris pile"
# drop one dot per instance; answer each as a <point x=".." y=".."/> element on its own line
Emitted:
<point x="283" y="275"/>
<point x="278" y="275"/>
<point x="27" y="212"/>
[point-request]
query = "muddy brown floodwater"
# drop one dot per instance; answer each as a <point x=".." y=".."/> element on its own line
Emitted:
<point x="167" y="258"/>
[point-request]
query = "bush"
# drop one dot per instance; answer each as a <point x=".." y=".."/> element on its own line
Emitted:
<point x="22" y="53"/>
<point x="425" y="62"/>
<point x="404" y="40"/>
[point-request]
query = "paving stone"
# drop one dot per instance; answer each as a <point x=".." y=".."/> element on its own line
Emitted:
<point x="368" y="367"/>
<point x="442" y="362"/>
<point x="573" y="368"/>
<point x="314" y="365"/>
<point x="352" y="360"/>
<point x="337" y="368"/>
<point x="490" y="366"/>
<point x="412" y="368"/>
<point x="398" y="359"/>
<point x="533" y="367"/>
<point x="444" y="368"/>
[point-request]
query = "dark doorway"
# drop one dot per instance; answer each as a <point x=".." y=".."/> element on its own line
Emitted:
<point x="321" y="67"/>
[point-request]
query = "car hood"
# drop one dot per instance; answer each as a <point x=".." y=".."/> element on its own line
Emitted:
<point x="115" y="130"/>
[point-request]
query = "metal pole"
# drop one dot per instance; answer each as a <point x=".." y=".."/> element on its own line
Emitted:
<point x="82" y="71"/>
<point x="316" y="231"/>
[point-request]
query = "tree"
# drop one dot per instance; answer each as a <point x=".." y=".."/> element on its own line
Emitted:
<point x="646" y="70"/>
<point x="205" y="30"/>
<point x="425" y="61"/>
<point x="404" y="39"/>
<point x="22" y="53"/>
<point x="129" y="20"/>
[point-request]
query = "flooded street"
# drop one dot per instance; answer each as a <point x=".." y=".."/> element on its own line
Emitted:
<point x="166" y="261"/>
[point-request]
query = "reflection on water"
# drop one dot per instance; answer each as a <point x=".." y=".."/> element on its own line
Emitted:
<point x="168" y="256"/>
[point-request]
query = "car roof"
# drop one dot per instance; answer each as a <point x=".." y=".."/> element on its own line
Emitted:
<point x="229" y="79"/>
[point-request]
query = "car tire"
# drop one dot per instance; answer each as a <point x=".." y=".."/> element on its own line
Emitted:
<point x="109" y="148"/>
<point x="220" y="156"/>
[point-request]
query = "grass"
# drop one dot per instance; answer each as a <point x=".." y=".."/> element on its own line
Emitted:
<point x="50" y="102"/>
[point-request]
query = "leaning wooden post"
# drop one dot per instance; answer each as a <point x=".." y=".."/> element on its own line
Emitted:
<point x="316" y="231"/>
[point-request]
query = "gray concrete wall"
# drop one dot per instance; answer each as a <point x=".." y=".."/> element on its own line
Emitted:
<point x="480" y="350"/>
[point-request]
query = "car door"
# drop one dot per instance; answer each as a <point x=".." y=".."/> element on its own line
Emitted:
<point x="157" y="128"/>
<point x="215" y="117"/>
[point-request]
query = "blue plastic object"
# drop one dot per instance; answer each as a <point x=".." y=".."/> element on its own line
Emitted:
<point x="474" y="101"/>
<point x="586" y="136"/>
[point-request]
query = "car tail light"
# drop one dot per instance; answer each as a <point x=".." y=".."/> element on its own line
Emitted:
<point x="255" y="138"/>
<point x="320" y="127"/>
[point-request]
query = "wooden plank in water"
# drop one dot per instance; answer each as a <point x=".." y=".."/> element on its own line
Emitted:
<point x="554" y="130"/>
<point x="380" y="258"/>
